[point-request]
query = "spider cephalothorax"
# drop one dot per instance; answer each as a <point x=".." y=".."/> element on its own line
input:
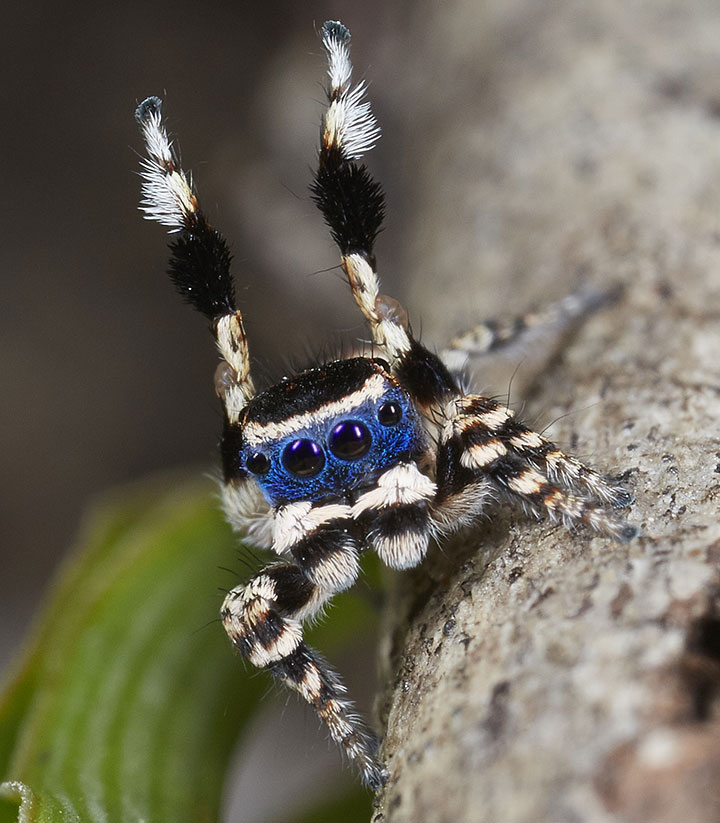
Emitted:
<point x="324" y="435"/>
<point x="375" y="453"/>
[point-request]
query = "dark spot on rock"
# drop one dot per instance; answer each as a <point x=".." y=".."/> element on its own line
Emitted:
<point x="664" y="290"/>
<point x="496" y="717"/>
<point x="585" y="606"/>
<point x="621" y="599"/>
<point x="700" y="666"/>
<point x="543" y="596"/>
<point x="673" y="87"/>
<point x="713" y="107"/>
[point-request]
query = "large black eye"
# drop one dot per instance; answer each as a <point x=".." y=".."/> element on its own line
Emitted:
<point x="350" y="440"/>
<point x="389" y="413"/>
<point x="303" y="458"/>
<point x="258" y="463"/>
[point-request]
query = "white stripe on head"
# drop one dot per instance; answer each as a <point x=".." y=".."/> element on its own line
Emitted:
<point x="373" y="388"/>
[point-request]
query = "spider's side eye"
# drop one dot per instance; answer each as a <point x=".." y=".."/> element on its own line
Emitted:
<point x="303" y="458"/>
<point x="350" y="440"/>
<point x="389" y="413"/>
<point x="258" y="463"/>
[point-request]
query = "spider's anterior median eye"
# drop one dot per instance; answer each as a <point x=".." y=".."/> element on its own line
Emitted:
<point x="258" y="463"/>
<point x="389" y="413"/>
<point x="350" y="440"/>
<point x="303" y="458"/>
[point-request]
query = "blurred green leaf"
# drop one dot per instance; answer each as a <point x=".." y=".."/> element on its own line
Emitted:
<point x="128" y="700"/>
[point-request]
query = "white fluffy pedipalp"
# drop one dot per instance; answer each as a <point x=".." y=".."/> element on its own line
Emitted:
<point x="403" y="484"/>
<point x="294" y="521"/>
<point x="248" y="512"/>
<point x="167" y="195"/>
<point x="349" y="123"/>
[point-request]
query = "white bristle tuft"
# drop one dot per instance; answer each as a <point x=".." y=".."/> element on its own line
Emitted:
<point x="167" y="192"/>
<point x="349" y="123"/>
<point x="336" y="40"/>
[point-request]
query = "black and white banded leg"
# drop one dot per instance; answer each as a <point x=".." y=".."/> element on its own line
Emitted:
<point x="482" y="440"/>
<point x="264" y="617"/>
<point x="263" y="620"/>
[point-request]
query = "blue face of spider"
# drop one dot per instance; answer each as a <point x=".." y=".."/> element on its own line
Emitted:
<point x="326" y="434"/>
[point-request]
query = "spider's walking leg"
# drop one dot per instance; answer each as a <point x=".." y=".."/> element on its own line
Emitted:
<point x="522" y="344"/>
<point x="263" y="619"/>
<point x="482" y="439"/>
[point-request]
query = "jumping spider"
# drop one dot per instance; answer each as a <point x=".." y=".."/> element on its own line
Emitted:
<point x="382" y="452"/>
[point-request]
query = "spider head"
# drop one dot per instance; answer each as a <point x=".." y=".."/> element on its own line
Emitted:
<point x="325" y="434"/>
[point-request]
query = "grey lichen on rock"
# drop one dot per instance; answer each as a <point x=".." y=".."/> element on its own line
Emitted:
<point x="539" y="675"/>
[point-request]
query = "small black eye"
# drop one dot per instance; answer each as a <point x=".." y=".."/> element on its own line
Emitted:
<point x="389" y="413"/>
<point x="303" y="458"/>
<point x="258" y="463"/>
<point x="350" y="440"/>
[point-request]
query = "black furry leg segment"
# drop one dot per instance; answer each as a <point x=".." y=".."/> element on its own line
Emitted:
<point x="482" y="439"/>
<point x="263" y="620"/>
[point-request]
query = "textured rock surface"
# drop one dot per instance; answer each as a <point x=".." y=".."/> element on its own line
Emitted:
<point x="542" y="676"/>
